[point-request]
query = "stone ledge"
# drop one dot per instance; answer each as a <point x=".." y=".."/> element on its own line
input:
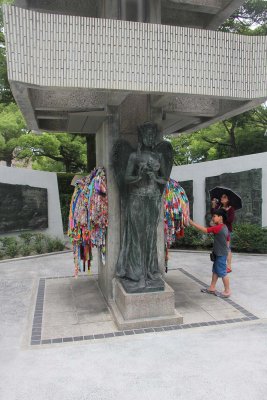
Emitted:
<point x="123" y="324"/>
<point x="141" y="310"/>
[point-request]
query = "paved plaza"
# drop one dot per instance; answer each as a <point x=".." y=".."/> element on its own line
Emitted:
<point x="58" y="339"/>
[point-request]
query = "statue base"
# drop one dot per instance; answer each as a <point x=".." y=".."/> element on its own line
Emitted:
<point x="150" y="286"/>
<point x="143" y="310"/>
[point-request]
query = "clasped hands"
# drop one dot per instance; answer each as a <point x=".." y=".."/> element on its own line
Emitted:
<point x="147" y="169"/>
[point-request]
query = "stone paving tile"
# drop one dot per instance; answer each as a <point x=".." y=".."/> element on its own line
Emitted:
<point x="215" y="305"/>
<point x="60" y="318"/>
<point x="196" y="317"/>
<point x="59" y="306"/>
<point x="88" y="317"/>
<point x="49" y="332"/>
<point x="98" y="327"/>
<point x="226" y="314"/>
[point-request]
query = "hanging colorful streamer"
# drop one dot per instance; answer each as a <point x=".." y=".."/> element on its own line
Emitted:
<point x="88" y="218"/>
<point x="176" y="214"/>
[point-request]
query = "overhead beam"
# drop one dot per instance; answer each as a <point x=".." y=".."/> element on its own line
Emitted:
<point x="225" y="13"/>
<point x="205" y="6"/>
<point x="187" y="105"/>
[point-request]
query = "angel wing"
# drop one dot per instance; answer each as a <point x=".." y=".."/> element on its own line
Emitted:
<point x="120" y="155"/>
<point x="165" y="150"/>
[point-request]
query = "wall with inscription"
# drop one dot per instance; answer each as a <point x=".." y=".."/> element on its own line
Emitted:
<point x="22" y="207"/>
<point x="248" y="184"/>
<point x="29" y="201"/>
<point x="247" y="175"/>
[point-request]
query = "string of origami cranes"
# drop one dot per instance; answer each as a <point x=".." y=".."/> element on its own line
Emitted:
<point x="88" y="218"/>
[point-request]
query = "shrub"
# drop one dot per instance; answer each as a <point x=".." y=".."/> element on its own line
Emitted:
<point x="54" y="244"/>
<point x="192" y="239"/>
<point x="65" y="193"/>
<point x="26" y="237"/>
<point x="65" y="200"/>
<point x="10" y="246"/>
<point x="40" y="246"/>
<point x="28" y="244"/>
<point x="59" y="244"/>
<point x="249" y="238"/>
<point x="50" y="245"/>
<point x="245" y="238"/>
<point x="25" y="249"/>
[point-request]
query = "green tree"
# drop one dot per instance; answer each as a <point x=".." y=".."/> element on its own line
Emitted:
<point x="12" y="127"/>
<point x="249" y="19"/>
<point x="237" y="136"/>
<point x="60" y="148"/>
<point x="6" y="95"/>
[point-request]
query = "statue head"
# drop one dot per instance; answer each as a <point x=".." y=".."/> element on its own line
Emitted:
<point x="147" y="133"/>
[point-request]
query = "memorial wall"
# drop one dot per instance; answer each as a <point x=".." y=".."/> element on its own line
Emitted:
<point x="246" y="175"/>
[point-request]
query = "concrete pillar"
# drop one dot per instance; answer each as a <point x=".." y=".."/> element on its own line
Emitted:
<point x="153" y="11"/>
<point x="105" y="138"/>
<point x="91" y="155"/>
<point x="135" y="110"/>
<point x="109" y="9"/>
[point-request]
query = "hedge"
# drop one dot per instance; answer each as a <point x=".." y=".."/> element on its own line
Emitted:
<point x="65" y="193"/>
<point x="27" y="244"/>
<point x="249" y="238"/>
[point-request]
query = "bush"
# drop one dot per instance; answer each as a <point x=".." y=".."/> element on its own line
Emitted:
<point x="65" y="194"/>
<point x="54" y="244"/>
<point x="59" y="245"/>
<point x="193" y="239"/>
<point x="26" y="237"/>
<point x="25" y="249"/>
<point x="249" y="238"/>
<point x="10" y="246"/>
<point x="245" y="238"/>
<point x="65" y="200"/>
<point x="29" y="244"/>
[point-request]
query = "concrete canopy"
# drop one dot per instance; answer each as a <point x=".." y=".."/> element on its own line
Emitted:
<point x="67" y="66"/>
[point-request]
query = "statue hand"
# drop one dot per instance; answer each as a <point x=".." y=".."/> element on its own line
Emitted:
<point x="151" y="174"/>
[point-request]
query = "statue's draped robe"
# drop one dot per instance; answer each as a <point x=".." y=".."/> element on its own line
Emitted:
<point x="138" y="256"/>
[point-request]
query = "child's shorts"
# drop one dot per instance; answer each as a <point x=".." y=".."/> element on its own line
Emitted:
<point x="219" y="266"/>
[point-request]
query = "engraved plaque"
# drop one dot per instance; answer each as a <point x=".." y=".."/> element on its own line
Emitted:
<point x="247" y="184"/>
<point x="22" y="207"/>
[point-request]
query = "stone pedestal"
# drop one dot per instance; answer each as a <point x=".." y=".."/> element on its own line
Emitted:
<point x="142" y="310"/>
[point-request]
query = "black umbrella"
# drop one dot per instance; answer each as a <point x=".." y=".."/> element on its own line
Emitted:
<point x="234" y="198"/>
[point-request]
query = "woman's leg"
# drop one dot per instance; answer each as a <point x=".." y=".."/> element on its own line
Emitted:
<point x="229" y="261"/>
<point x="229" y="257"/>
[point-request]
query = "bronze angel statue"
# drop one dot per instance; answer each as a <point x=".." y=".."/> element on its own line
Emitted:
<point x="141" y="175"/>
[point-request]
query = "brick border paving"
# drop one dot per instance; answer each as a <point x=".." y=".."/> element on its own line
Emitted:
<point x="38" y="316"/>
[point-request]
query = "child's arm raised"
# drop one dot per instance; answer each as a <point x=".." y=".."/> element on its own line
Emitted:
<point x="199" y="227"/>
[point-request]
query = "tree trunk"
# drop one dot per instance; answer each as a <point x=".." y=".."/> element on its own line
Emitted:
<point x="8" y="161"/>
<point x="231" y="132"/>
<point x="67" y="166"/>
<point x="232" y="140"/>
<point x="91" y="152"/>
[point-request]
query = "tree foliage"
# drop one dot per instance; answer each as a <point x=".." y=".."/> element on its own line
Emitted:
<point x="6" y="95"/>
<point x="237" y="136"/>
<point x="58" y="149"/>
<point x="249" y="19"/>
<point x="12" y="126"/>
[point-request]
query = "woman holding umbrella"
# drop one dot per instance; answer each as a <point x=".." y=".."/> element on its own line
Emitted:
<point x="229" y="201"/>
